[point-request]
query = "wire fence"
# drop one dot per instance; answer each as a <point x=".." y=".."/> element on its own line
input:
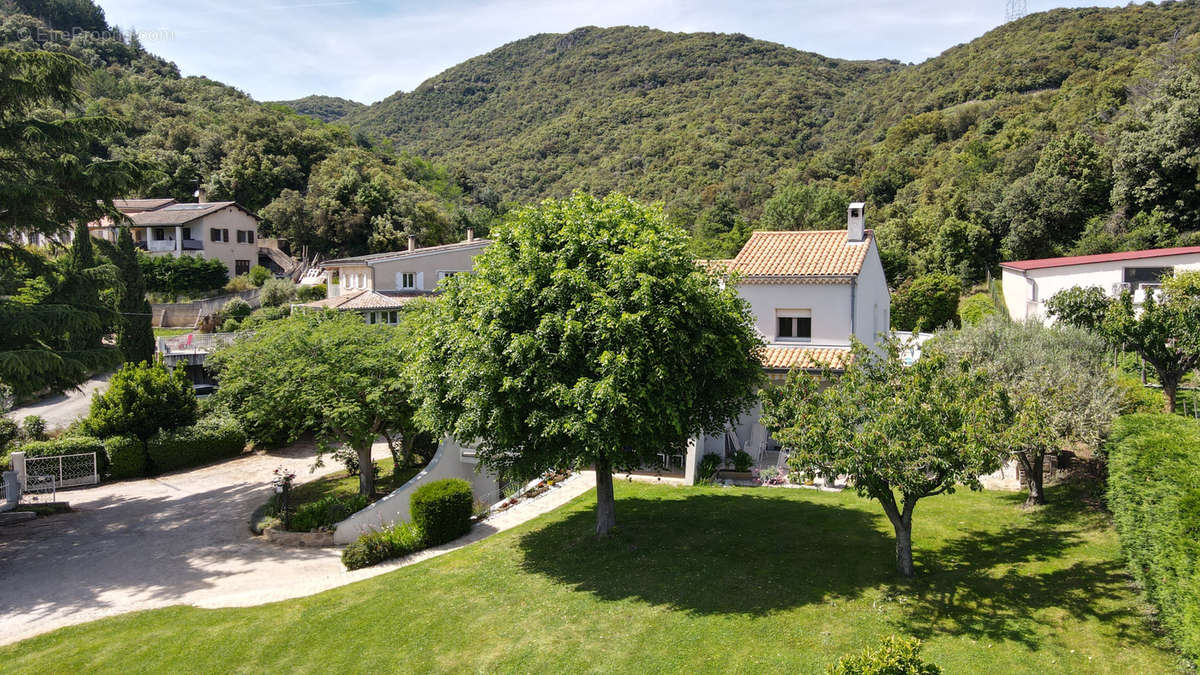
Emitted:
<point x="67" y="470"/>
<point x="39" y="489"/>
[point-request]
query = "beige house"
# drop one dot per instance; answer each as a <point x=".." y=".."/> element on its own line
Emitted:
<point x="379" y="284"/>
<point x="217" y="230"/>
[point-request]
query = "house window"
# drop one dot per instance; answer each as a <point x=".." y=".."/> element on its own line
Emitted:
<point x="446" y="274"/>
<point x="793" y="325"/>
<point x="249" y="236"/>
<point x="225" y="234"/>
<point x="241" y="267"/>
<point x="408" y="280"/>
<point x="370" y="317"/>
<point x="392" y="317"/>
<point x="214" y="234"/>
<point x="1146" y="276"/>
<point x="158" y="234"/>
<point x="241" y="236"/>
<point x="187" y="233"/>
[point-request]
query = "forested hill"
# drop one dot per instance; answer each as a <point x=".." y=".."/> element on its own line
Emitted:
<point x="324" y="108"/>
<point x="318" y="185"/>
<point x="663" y="115"/>
<point x="1065" y="131"/>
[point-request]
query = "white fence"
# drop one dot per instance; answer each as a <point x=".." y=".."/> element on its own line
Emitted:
<point x="66" y="470"/>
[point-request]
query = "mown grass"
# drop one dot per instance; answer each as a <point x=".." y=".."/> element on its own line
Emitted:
<point x="341" y="485"/>
<point x="694" y="579"/>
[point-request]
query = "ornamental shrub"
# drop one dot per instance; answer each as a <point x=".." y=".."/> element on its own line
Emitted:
<point x="208" y="441"/>
<point x="236" y="309"/>
<point x="742" y="461"/>
<point x="126" y="457"/>
<point x="259" y="275"/>
<point x="894" y="656"/>
<point x="77" y="445"/>
<point x="9" y="431"/>
<point x="33" y="428"/>
<point x="375" y="547"/>
<point x="709" y="464"/>
<point x="442" y="509"/>
<point x="1154" y="494"/>
<point x="325" y="512"/>
<point x="142" y="399"/>
<point x="277" y="292"/>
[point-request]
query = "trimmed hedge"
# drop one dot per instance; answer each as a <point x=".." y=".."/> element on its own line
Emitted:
<point x="73" y="445"/>
<point x="375" y="547"/>
<point x="1154" y="494"/>
<point x="126" y="457"/>
<point x="326" y="511"/>
<point x="207" y="441"/>
<point x="442" y="509"/>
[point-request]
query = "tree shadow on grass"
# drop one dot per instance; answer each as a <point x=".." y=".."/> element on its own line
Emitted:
<point x="737" y="552"/>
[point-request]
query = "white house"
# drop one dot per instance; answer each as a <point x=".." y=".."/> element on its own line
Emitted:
<point x="221" y="230"/>
<point x="1028" y="284"/>
<point x="378" y="285"/>
<point x="810" y="291"/>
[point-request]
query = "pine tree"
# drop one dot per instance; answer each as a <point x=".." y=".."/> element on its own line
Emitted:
<point x="135" y="336"/>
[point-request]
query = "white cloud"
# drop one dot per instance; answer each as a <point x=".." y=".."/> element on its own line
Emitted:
<point x="367" y="49"/>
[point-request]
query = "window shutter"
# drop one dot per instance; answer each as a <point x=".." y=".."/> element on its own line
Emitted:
<point x="420" y="280"/>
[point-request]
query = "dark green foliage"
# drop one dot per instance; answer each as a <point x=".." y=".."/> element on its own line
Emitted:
<point x="263" y="316"/>
<point x="926" y="303"/>
<point x="70" y="445"/>
<point x="442" y="510"/>
<point x="326" y="512"/>
<point x="135" y="334"/>
<point x="742" y="461"/>
<point x="126" y="457"/>
<point x="1078" y="306"/>
<point x="310" y="293"/>
<point x="1154" y="494"/>
<point x="182" y="275"/>
<point x="142" y="399"/>
<point x="324" y="108"/>
<point x="236" y="309"/>
<point x="893" y="656"/>
<point x="805" y="207"/>
<point x="259" y="275"/>
<point x="33" y="428"/>
<point x="208" y="441"/>
<point x="709" y="464"/>
<point x="375" y="547"/>
<point x="9" y="432"/>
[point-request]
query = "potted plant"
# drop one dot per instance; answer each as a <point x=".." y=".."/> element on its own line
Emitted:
<point x="742" y="463"/>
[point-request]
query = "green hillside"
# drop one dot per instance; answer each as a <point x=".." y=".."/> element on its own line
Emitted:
<point x="1015" y="144"/>
<point x="324" y="108"/>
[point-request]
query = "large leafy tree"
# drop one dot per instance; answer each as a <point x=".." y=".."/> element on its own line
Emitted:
<point x="1060" y="388"/>
<point x="52" y="176"/>
<point x="926" y="303"/>
<point x="331" y="374"/>
<point x="587" y="334"/>
<point x="900" y="433"/>
<point x="141" y="400"/>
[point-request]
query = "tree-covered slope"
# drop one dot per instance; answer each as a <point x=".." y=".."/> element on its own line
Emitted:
<point x="661" y="115"/>
<point x="1030" y="140"/>
<point x="324" y="108"/>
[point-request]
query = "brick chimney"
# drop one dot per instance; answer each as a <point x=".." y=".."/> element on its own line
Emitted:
<point x="412" y="242"/>
<point x="470" y="234"/>
<point x="856" y="221"/>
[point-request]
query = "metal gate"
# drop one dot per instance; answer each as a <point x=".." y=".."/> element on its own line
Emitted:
<point x="67" y="470"/>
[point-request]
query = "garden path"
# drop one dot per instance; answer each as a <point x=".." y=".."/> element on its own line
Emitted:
<point x="183" y="538"/>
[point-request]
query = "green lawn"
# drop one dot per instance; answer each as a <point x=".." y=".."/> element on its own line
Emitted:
<point x="172" y="332"/>
<point x="340" y="485"/>
<point x="695" y="579"/>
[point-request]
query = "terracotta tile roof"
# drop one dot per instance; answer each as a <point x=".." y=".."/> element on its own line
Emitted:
<point x="819" y="253"/>
<point x="786" y="357"/>
<point x="179" y="214"/>
<point x="361" y="300"/>
<point x="1042" y="263"/>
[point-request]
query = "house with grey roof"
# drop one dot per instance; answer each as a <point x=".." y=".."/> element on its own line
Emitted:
<point x="225" y="231"/>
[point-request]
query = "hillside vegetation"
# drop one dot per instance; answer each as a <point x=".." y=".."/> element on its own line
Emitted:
<point x="1035" y="139"/>
<point x="324" y="108"/>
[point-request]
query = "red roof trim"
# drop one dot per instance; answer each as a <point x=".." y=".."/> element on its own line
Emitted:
<point x="1024" y="265"/>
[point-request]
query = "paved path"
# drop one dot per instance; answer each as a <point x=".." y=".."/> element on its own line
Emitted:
<point x="62" y="409"/>
<point x="183" y="538"/>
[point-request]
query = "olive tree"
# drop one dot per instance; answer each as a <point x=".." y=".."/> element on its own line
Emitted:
<point x="1055" y="377"/>
<point x="587" y="334"/>
<point x="330" y="373"/>
<point x="899" y="433"/>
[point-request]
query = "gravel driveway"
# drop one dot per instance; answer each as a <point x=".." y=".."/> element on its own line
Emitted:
<point x="62" y="409"/>
<point x="179" y="538"/>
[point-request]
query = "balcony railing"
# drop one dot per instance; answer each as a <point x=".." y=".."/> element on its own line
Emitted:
<point x="167" y="245"/>
<point x="193" y="245"/>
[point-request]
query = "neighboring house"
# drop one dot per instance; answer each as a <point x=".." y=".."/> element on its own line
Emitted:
<point x="217" y="230"/>
<point x="809" y="292"/>
<point x="1028" y="284"/>
<point x="379" y="284"/>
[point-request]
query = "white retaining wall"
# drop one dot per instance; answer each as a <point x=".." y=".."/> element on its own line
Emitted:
<point x="450" y="461"/>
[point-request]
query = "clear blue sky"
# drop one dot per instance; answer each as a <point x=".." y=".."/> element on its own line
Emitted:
<point x="367" y="49"/>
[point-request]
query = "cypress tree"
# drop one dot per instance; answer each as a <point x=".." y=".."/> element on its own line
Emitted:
<point x="135" y="336"/>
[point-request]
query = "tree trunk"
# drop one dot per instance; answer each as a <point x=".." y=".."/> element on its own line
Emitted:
<point x="902" y="524"/>
<point x="606" y="513"/>
<point x="1035" y="463"/>
<point x="1170" y="388"/>
<point x="366" y="471"/>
